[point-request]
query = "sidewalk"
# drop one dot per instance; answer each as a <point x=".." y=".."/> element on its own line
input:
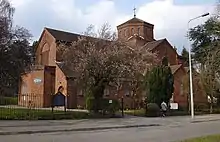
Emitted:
<point x="31" y="127"/>
<point x="206" y="118"/>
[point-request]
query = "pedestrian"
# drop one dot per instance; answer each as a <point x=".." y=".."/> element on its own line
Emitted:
<point x="164" y="108"/>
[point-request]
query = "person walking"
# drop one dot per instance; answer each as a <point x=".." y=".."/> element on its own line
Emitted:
<point x="164" y="108"/>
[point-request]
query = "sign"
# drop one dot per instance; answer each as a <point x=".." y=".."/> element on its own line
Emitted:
<point x="110" y="101"/>
<point x="37" y="80"/>
<point x="174" y="106"/>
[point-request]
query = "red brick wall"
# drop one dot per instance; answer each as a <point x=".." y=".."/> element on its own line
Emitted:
<point x="46" y="50"/>
<point x="72" y="101"/>
<point x="49" y="85"/>
<point x="136" y="42"/>
<point x="37" y="94"/>
<point x="198" y="92"/>
<point x="31" y="92"/>
<point x="179" y="96"/>
<point x="165" y="50"/>
<point x="146" y="31"/>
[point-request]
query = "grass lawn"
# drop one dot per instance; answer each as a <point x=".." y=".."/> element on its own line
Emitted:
<point x="34" y="114"/>
<point x="213" y="138"/>
<point x="39" y="114"/>
<point x="141" y="113"/>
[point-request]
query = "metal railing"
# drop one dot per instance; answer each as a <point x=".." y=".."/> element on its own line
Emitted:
<point x="32" y="107"/>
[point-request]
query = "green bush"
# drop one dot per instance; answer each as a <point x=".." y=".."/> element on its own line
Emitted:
<point x="105" y="106"/>
<point x="8" y="100"/>
<point x="112" y="107"/>
<point x="29" y="114"/>
<point x="152" y="110"/>
<point x="201" y="107"/>
<point x="90" y="103"/>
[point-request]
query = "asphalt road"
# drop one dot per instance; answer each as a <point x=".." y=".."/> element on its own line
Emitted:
<point x="165" y="133"/>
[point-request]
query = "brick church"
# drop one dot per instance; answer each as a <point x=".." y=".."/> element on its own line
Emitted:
<point x="39" y="84"/>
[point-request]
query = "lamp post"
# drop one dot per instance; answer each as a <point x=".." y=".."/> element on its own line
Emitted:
<point x="190" y="68"/>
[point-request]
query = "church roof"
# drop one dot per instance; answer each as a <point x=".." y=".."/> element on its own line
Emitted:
<point x="62" y="35"/>
<point x="135" y="20"/>
<point x="153" y="44"/>
<point x="174" y="68"/>
<point x="66" y="70"/>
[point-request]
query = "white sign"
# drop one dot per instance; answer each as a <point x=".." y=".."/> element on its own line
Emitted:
<point x="37" y="80"/>
<point x="110" y="101"/>
<point x="174" y="106"/>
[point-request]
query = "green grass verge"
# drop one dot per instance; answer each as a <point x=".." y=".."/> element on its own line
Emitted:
<point x="38" y="114"/>
<point x="213" y="138"/>
<point x="140" y="112"/>
<point x="33" y="114"/>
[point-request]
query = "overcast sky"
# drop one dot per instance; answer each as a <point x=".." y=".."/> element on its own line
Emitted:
<point x="170" y="17"/>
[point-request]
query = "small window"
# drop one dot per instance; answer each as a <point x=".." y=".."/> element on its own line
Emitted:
<point x="106" y="92"/>
<point x="127" y="92"/>
<point x="120" y="33"/>
<point x="80" y="92"/>
<point x="125" y="32"/>
<point x="181" y="89"/>
<point x="138" y="31"/>
<point x="132" y="31"/>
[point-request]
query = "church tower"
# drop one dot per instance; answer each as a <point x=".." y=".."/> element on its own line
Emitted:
<point x="136" y="27"/>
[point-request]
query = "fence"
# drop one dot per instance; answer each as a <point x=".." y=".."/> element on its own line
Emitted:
<point x="31" y="107"/>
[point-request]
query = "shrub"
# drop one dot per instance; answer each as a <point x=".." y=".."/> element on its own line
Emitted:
<point x="28" y="114"/>
<point x="8" y="100"/>
<point x="201" y="107"/>
<point x="110" y="108"/>
<point x="152" y="110"/>
<point x="90" y="103"/>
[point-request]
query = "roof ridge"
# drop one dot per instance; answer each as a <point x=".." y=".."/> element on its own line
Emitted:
<point x="59" y="30"/>
<point x="135" y="18"/>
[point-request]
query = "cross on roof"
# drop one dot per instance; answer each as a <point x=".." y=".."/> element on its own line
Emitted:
<point x="134" y="12"/>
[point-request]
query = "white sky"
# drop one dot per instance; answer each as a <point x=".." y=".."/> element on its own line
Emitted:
<point x="170" y="20"/>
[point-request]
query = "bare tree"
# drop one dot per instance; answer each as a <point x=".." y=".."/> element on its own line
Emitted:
<point x="210" y="75"/>
<point x="218" y="8"/>
<point x="103" y="60"/>
<point x="14" y="50"/>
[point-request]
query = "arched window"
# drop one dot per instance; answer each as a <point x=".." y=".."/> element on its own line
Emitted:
<point x="125" y="32"/>
<point x="106" y="92"/>
<point x="45" y="55"/>
<point x="138" y="30"/>
<point x="132" y="31"/>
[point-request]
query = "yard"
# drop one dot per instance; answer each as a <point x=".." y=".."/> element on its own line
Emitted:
<point x="212" y="138"/>
<point x="39" y="114"/>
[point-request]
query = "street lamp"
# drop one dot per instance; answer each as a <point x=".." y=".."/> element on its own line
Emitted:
<point x="190" y="67"/>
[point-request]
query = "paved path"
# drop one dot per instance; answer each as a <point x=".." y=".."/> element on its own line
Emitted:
<point x="167" y="129"/>
<point x="167" y="133"/>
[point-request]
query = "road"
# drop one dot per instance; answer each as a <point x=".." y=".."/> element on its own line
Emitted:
<point x="164" y="133"/>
